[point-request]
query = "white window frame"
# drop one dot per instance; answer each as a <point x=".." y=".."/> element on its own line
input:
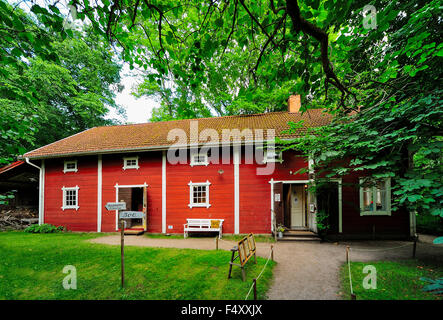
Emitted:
<point x="386" y="212"/>
<point x="278" y="156"/>
<point x="191" y="194"/>
<point x="199" y="163"/>
<point x="136" y="166"/>
<point x="65" y="167"/>
<point x="65" y="189"/>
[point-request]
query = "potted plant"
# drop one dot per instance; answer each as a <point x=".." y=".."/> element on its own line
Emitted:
<point x="280" y="230"/>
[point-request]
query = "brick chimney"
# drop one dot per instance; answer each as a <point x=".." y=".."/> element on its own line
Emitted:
<point x="294" y="103"/>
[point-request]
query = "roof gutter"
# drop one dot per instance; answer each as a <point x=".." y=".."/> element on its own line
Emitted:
<point x="32" y="164"/>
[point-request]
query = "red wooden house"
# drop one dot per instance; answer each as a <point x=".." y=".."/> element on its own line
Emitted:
<point x="213" y="168"/>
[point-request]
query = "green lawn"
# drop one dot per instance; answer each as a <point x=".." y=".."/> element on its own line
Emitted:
<point x="398" y="280"/>
<point x="31" y="267"/>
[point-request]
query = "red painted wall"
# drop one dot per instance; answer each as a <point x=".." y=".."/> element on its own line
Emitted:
<point x="255" y="194"/>
<point x="255" y="190"/>
<point x="83" y="219"/>
<point x="149" y="172"/>
<point x="221" y="194"/>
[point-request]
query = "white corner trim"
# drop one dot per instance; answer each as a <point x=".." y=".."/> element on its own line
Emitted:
<point x="236" y="161"/>
<point x="65" y="166"/>
<point x="64" y="206"/>
<point x="116" y="211"/>
<point x="191" y="194"/>
<point x="136" y="166"/>
<point x="412" y="223"/>
<point x="99" y="193"/>
<point x="41" y="209"/>
<point x="272" y="204"/>
<point x="340" y="204"/>
<point x="164" y="191"/>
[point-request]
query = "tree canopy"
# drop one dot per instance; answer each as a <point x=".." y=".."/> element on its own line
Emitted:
<point x="375" y="65"/>
<point x="242" y="56"/>
<point x="51" y="87"/>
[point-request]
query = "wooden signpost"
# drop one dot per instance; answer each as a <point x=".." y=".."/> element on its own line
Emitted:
<point x="126" y="215"/>
<point x="122" y="250"/>
<point x="112" y="206"/>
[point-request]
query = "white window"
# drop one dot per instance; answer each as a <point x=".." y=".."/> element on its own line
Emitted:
<point x="375" y="197"/>
<point x="130" y="163"/>
<point x="199" y="159"/>
<point x="199" y="194"/>
<point x="70" y="198"/>
<point x="70" y="166"/>
<point x="272" y="156"/>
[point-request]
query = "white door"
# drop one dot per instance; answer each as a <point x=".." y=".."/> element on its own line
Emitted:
<point x="297" y="206"/>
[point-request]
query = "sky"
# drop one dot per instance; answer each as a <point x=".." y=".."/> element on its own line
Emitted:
<point x="138" y="110"/>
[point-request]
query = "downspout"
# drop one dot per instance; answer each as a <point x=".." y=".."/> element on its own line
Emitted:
<point x="40" y="189"/>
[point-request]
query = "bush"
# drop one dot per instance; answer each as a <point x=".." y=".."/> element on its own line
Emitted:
<point x="429" y="224"/>
<point x="322" y="222"/>
<point x="44" y="228"/>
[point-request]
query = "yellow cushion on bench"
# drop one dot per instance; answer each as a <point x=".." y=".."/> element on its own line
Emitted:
<point x="215" y="223"/>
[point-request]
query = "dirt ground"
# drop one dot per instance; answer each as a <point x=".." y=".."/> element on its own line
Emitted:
<point x="305" y="270"/>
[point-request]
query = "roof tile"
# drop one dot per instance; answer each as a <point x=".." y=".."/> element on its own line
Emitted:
<point x="155" y="134"/>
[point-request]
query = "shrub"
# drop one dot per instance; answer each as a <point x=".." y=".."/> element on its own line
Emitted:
<point x="322" y="221"/>
<point x="44" y="228"/>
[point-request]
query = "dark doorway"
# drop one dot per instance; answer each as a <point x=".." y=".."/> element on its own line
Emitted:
<point x="137" y="199"/>
<point x="327" y="202"/>
<point x="287" y="205"/>
<point x="137" y="205"/>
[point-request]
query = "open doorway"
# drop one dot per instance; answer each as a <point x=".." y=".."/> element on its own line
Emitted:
<point x="135" y="198"/>
<point x="290" y="205"/>
<point x="329" y="203"/>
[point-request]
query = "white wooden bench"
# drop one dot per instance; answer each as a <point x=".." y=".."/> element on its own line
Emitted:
<point x="202" y="225"/>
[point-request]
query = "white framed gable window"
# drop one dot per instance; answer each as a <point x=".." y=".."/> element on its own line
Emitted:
<point x="70" y="166"/>
<point x="199" y="159"/>
<point x="130" y="163"/>
<point x="70" y="198"/>
<point x="272" y="155"/>
<point x="375" y="197"/>
<point x="199" y="194"/>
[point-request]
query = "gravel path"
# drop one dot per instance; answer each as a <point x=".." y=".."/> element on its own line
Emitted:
<point x="305" y="270"/>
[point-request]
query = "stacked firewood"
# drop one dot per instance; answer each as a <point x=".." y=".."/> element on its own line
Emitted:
<point x="17" y="219"/>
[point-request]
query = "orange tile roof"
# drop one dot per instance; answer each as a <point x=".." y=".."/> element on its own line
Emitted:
<point x="11" y="166"/>
<point x="154" y="135"/>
